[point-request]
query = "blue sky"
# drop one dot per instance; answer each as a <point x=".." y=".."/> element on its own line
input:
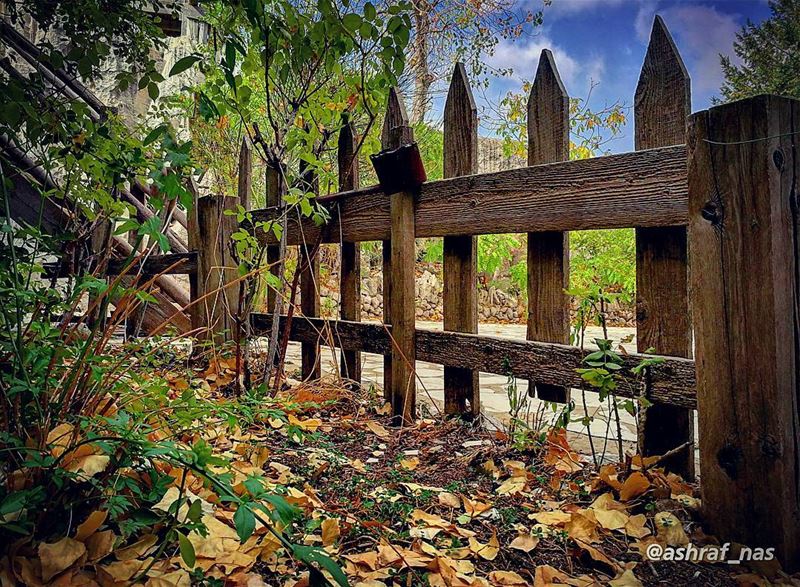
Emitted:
<point x="604" y="41"/>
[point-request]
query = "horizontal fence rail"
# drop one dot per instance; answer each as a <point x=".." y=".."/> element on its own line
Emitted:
<point x="669" y="382"/>
<point x="168" y="264"/>
<point x="639" y="189"/>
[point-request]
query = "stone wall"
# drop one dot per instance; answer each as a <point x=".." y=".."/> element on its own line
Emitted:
<point x="494" y="305"/>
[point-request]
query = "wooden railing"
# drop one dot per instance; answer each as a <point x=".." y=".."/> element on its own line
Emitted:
<point x="729" y="176"/>
<point x="734" y="186"/>
<point x="646" y="190"/>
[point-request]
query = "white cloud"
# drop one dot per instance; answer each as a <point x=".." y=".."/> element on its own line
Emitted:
<point x="561" y="8"/>
<point x="644" y="19"/>
<point x="523" y="58"/>
<point x="702" y="33"/>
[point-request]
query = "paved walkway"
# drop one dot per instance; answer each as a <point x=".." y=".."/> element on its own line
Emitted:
<point x="495" y="389"/>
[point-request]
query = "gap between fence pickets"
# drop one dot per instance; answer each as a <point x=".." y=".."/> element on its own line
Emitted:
<point x="670" y="382"/>
<point x="643" y="188"/>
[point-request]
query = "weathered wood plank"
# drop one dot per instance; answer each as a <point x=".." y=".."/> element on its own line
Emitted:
<point x="196" y="309"/>
<point x="643" y="188"/>
<point x="308" y="258"/>
<point x="169" y="264"/>
<point x="400" y="270"/>
<point x="662" y="103"/>
<point x="460" y="264"/>
<point x="274" y="195"/>
<point x="548" y="252"/>
<point x="350" y="265"/>
<point x="395" y="132"/>
<point x="403" y="313"/>
<point x="743" y="230"/>
<point x="216" y="268"/>
<point x="671" y="382"/>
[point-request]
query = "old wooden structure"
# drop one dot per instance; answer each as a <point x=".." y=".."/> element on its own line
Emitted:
<point x="722" y="181"/>
<point x="713" y="199"/>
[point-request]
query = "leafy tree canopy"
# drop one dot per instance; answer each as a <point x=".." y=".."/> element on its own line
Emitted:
<point x="769" y="53"/>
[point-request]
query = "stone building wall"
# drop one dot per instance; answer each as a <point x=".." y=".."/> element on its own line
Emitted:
<point x="494" y="305"/>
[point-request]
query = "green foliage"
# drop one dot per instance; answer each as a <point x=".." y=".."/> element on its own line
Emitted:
<point x="290" y="74"/>
<point x="768" y="55"/>
<point x="601" y="367"/>
<point x="590" y="130"/>
<point x="431" y="146"/>
<point x="604" y="259"/>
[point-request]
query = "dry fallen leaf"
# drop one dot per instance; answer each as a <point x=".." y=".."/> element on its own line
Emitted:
<point x="555" y="518"/>
<point x="611" y="519"/>
<point x="59" y="556"/>
<point x="137" y="549"/>
<point x="91" y="525"/>
<point x="634" y="486"/>
<point x="100" y="544"/>
<point x="582" y="527"/>
<point x="409" y="464"/>
<point x="512" y="485"/>
<point x="509" y="578"/>
<point x="378" y="430"/>
<point x="330" y="531"/>
<point x="626" y="579"/>
<point x="449" y="499"/>
<point x="486" y="551"/>
<point x="636" y="527"/>
<point x="475" y="508"/>
<point x="309" y="425"/>
<point x="525" y="542"/>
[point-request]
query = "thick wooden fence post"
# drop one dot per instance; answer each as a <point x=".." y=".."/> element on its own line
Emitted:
<point x="548" y="252"/>
<point x="743" y="229"/>
<point x="217" y="267"/>
<point x="399" y="277"/>
<point x="308" y="257"/>
<point x="395" y="132"/>
<point x="460" y="303"/>
<point x="193" y="244"/>
<point x="350" y="265"/>
<point x="663" y="323"/>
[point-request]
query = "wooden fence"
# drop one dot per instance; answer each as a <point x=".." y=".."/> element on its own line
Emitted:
<point x="737" y="196"/>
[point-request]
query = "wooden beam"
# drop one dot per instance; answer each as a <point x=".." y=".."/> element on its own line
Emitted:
<point x="170" y="264"/>
<point x="308" y="260"/>
<point x="743" y="233"/>
<point x="350" y="264"/>
<point x="548" y="252"/>
<point x="400" y="271"/>
<point x="394" y="133"/>
<point x="460" y="267"/>
<point x="662" y="103"/>
<point x="669" y="382"/>
<point x="217" y="270"/>
<point x="644" y="188"/>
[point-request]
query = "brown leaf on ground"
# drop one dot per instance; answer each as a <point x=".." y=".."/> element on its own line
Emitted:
<point x="91" y="525"/>
<point x="524" y="542"/>
<point x="634" y="486"/>
<point x="59" y="556"/>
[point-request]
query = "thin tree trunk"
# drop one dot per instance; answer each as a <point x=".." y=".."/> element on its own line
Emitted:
<point x="419" y="62"/>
